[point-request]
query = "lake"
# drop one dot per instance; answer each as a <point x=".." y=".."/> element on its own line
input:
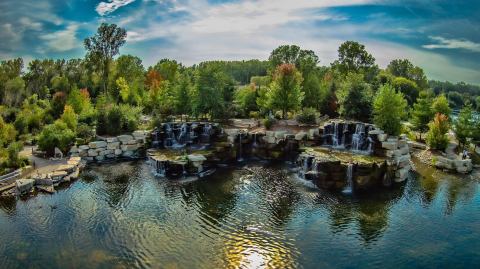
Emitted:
<point x="258" y="215"/>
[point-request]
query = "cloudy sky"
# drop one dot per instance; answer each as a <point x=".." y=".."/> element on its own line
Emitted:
<point x="441" y="36"/>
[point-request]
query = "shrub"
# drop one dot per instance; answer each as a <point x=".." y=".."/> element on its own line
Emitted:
<point x="388" y="110"/>
<point x="437" y="135"/>
<point x="117" y="119"/>
<point x="85" y="132"/>
<point x="268" y="123"/>
<point x="308" y="116"/>
<point x="14" y="160"/>
<point x="254" y="114"/>
<point x="69" y="118"/>
<point x="56" y="135"/>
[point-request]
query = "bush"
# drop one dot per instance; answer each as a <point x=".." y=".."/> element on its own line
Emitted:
<point x="254" y="114"/>
<point x="117" y="119"/>
<point x="308" y="116"/>
<point x="268" y="123"/>
<point x="437" y="135"/>
<point x="55" y="135"/>
<point x="14" y="160"/>
<point x="85" y="132"/>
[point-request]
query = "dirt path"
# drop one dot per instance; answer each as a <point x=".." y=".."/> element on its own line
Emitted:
<point x="41" y="165"/>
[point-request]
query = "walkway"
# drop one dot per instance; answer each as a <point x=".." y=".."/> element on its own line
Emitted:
<point x="41" y="165"/>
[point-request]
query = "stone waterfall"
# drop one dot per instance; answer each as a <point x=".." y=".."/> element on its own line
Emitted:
<point x="349" y="187"/>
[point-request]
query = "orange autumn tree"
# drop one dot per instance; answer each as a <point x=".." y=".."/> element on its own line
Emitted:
<point x="160" y="93"/>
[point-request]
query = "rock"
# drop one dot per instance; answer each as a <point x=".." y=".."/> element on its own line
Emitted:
<point x="196" y="158"/>
<point x="74" y="149"/>
<point x="124" y="138"/>
<point x="404" y="149"/>
<point x="100" y="158"/>
<point x="129" y="147"/>
<point x="92" y="153"/>
<point x="97" y="144"/>
<point x="232" y="132"/>
<point x="402" y="143"/>
<point x="118" y="152"/>
<point x="312" y="133"/>
<point x="375" y="132"/>
<point x="269" y="139"/>
<point x="280" y="134"/>
<point x="402" y="174"/>
<point x="269" y="133"/>
<point x="390" y="145"/>
<point x="112" y="140"/>
<point x="300" y="135"/>
<point x="113" y="145"/>
<point x="84" y="147"/>
<point x="58" y="175"/>
<point x="127" y="153"/>
<point x="111" y="156"/>
<point x="24" y="185"/>
<point x="382" y="137"/>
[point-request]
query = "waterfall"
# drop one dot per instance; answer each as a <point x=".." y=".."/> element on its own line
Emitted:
<point x="170" y="140"/>
<point x="370" y="144"/>
<point x="240" y="159"/>
<point x="349" y="186"/>
<point x="357" y="137"/>
<point x="155" y="142"/>
<point x="183" y="135"/>
<point x="159" y="168"/>
<point x="254" y="140"/>
<point x="335" y="135"/>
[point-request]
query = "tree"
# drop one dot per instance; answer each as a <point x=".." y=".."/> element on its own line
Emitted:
<point x="168" y="69"/>
<point x="463" y="126"/>
<point x="388" y="109"/>
<point x="123" y="89"/>
<point x="183" y="91"/>
<point x="69" y="118"/>
<point x="440" y="105"/>
<point x="476" y="132"/>
<point x="404" y="68"/>
<point x="14" y="91"/>
<point x="59" y="100"/>
<point x="437" y="134"/>
<point x="352" y="57"/>
<point x="422" y="113"/>
<point x="246" y="98"/>
<point x="56" y="135"/>
<point x="285" y="91"/>
<point x="7" y="133"/>
<point x="408" y="88"/>
<point x="60" y="84"/>
<point x="355" y="98"/>
<point x="477" y="102"/>
<point x="104" y="45"/>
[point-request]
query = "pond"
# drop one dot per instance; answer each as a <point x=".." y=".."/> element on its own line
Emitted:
<point x="253" y="216"/>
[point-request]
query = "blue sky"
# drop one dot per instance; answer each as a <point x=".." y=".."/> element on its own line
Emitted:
<point x="443" y="37"/>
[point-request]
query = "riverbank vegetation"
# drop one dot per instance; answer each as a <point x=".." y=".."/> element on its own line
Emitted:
<point x="54" y="103"/>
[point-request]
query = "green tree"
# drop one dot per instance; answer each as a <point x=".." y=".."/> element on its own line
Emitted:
<point x="285" y="91"/>
<point x="104" y="45"/>
<point x="463" y="126"/>
<point x="7" y="133"/>
<point x="70" y="118"/>
<point x="404" y="68"/>
<point x="355" y="98"/>
<point x="56" y="135"/>
<point x="14" y="92"/>
<point x="388" y="109"/>
<point x="60" y="84"/>
<point x="408" y="88"/>
<point x="422" y="113"/>
<point x="246" y="98"/>
<point x="437" y="134"/>
<point x="440" y="105"/>
<point x="123" y="89"/>
<point x="476" y="132"/>
<point x="352" y="57"/>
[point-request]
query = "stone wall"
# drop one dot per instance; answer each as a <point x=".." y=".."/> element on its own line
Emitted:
<point x="459" y="166"/>
<point x="110" y="148"/>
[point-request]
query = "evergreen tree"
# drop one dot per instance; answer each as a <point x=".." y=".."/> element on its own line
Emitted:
<point x="422" y="113"/>
<point x="388" y="109"/>
<point x="463" y="126"/>
<point x="440" y="105"/>
<point x="355" y="98"/>
<point x="437" y="134"/>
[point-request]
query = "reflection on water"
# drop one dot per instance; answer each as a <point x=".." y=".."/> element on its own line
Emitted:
<point x="255" y="216"/>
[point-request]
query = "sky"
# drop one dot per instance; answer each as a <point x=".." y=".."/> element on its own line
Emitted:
<point x="441" y="36"/>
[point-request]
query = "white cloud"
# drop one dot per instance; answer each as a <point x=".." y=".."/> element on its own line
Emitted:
<point x="444" y="43"/>
<point x="104" y="8"/>
<point x="63" y="40"/>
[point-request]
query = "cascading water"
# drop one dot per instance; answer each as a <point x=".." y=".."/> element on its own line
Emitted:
<point x="183" y="135"/>
<point x="349" y="187"/>
<point x="254" y="144"/>
<point x="240" y="159"/>
<point x="358" y="137"/>
<point x="335" y="135"/>
<point x="159" y="167"/>
<point x="170" y="141"/>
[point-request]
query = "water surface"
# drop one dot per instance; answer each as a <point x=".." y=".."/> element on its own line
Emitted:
<point x="254" y="216"/>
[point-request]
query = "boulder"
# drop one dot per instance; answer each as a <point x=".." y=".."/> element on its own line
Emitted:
<point x="390" y="145"/>
<point x="232" y="132"/>
<point x="280" y="134"/>
<point x="97" y="144"/>
<point x="24" y="185"/>
<point x="112" y="139"/>
<point x="100" y="158"/>
<point x="113" y="145"/>
<point x="124" y="138"/>
<point x="129" y="147"/>
<point x="196" y="158"/>
<point x="382" y="137"/>
<point x="300" y="135"/>
<point x="92" y="153"/>
<point x="127" y="153"/>
<point x="118" y="152"/>
<point x="74" y="149"/>
<point x="83" y="147"/>
<point x="312" y="133"/>
<point x="402" y="174"/>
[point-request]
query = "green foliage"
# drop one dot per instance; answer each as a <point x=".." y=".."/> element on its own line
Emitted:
<point x="388" y="109"/>
<point x="455" y="99"/>
<point x="85" y="132"/>
<point x="408" y="88"/>
<point x="117" y="119"/>
<point x="7" y="133"/>
<point x="69" y="118"/>
<point x="422" y="112"/>
<point x="60" y="84"/>
<point x="58" y="104"/>
<point x="355" y="98"/>
<point x="440" y="105"/>
<point x="56" y="135"/>
<point x="285" y="91"/>
<point x="183" y="92"/>
<point x="103" y="46"/>
<point x="353" y="58"/>
<point x="404" y="68"/>
<point x="124" y="90"/>
<point x="245" y="98"/>
<point x="14" y="91"/>
<point x="32" y="116"/>
<point x="268" y="123"/>
<point x="464" y="124"/>
<point x="308" y="115"/>
<point x="437" y="134"/>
